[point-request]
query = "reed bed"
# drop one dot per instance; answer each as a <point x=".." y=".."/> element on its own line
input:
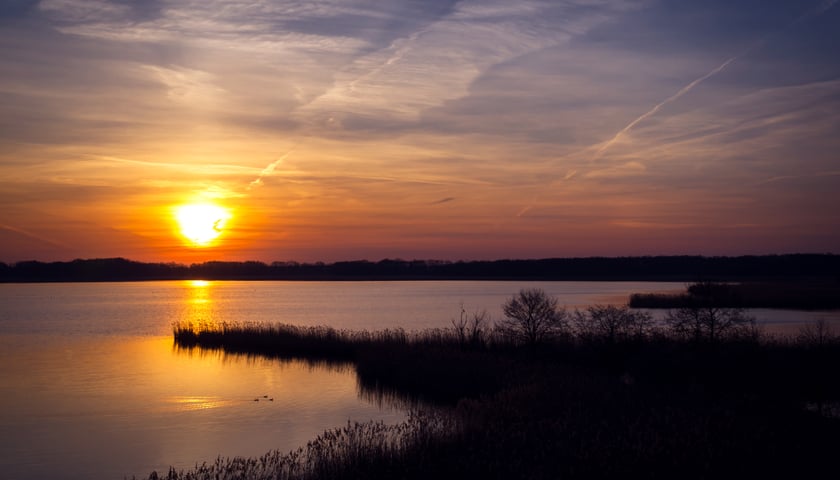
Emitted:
<point x="432" y="366"/>
<point x="356" y="450"/>
<point x="284" y="340"/>
<point x="581" y="406"/>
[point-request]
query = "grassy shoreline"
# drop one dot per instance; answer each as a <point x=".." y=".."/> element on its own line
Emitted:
<point x="575" y="407"/>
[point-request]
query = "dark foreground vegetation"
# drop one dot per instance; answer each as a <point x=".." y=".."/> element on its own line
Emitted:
<point x="671" y="268"/>
<point x="544" y="394"/>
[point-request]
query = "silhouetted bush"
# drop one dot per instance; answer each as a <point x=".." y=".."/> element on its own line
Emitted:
<point x="532" y="317"/>
<point x="709" y="323"/>
<point x="612" y="324"/>
<point x="472" y="330"/>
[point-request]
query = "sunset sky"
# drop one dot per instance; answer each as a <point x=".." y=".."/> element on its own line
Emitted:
<point x="341" y="130"/>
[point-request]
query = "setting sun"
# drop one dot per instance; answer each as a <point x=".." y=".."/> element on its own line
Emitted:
<point x="200" y="224"/>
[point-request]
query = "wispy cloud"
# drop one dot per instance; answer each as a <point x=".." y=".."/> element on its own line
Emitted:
<point x="538" y="124"/>
<point x="195" y="88"/>
<point x="439" y="62"/>
<point x="623" y="170"/>
<point x="797" y="177"/>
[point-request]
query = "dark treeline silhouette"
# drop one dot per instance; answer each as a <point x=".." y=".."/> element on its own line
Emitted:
<point x="664" y="268"/>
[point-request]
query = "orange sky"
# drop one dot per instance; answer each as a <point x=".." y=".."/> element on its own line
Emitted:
<point x="470" y="130"/>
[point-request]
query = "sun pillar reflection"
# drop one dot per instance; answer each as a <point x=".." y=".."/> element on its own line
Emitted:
<point x="199" y="309"/>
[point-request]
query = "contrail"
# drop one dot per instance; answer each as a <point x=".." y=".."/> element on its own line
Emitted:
<point x="31" y="235"/>
<point x="823" y="6"/>
<point x="820" y="9"/>
<point x="268" y="171"/>
<point x="661" y="104"/>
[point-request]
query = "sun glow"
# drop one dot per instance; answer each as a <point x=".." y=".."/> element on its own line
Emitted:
<point x="202" y="223"/>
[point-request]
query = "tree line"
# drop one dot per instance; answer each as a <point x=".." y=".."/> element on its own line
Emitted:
<point x="663" y="268"/>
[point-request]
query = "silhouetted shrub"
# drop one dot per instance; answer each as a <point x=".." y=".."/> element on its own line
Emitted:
<point x="710" y="323"/>
<point x="532" y="317"/>
<point x="612" y="324"/>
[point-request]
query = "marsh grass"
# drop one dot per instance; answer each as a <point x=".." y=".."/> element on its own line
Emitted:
<point x="356" y="450"/>
<point x="430" y="365"/>
<point x="654" y="406"/>
<point x="278" y="341"/>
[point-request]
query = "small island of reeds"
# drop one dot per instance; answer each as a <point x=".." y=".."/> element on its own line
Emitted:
<point x="599" y="393"/>
<point x="814" y="294"/>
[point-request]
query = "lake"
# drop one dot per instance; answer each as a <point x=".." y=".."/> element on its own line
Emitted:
<point x="92" y="387"/>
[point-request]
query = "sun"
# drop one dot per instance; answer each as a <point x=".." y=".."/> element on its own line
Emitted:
<point x="201" y="223"/>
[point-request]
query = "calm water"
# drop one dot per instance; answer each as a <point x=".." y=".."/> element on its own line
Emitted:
<point x="91" y="386"/>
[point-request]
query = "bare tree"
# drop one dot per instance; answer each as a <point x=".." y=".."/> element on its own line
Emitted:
<point x="710" y="316"/>
<point x="709" y="322"/>
<point x="532" y="317"/>
<point x="612" y="323"/>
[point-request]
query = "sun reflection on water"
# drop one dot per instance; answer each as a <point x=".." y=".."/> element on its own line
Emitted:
<point x="187" y="403"/>
<point x="199" y="308"/>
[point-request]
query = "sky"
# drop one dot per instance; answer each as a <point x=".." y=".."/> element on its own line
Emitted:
<point x="431" y="129"/>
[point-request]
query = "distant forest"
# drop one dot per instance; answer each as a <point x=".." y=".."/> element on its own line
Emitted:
<point x="661" y="268"/>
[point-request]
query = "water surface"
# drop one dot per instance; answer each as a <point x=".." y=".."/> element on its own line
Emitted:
<point x="91" y="386"/>
<point x="150" y="308"/>
<point x="111" y="407"/>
